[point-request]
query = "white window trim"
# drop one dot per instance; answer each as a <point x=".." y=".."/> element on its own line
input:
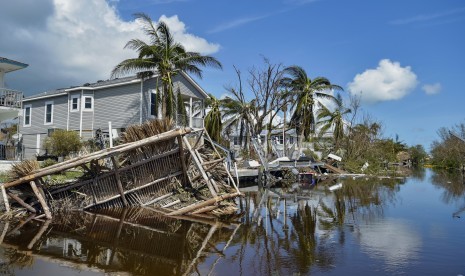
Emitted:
<point x="45" y="113"/>
<point x="84" y="103"/>
<point x="149" y="108"/>
<point x="30" y="115"/>
<point x="78" y="97"/>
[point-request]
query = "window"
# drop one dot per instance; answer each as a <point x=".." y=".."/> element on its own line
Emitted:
<point x="236" y="140"/>
<point x="75" y="103"/>
<point x="48" y="113"/>
<point x="153" y="103"/>
<point x="88" y="103"/>
<point x="27" y="115"/>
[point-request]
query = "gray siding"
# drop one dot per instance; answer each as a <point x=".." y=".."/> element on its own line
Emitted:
<point x="60" y="109"/>
<point x="119" y="105"/>
<point x="186" y="87"/>
<point x="87" y="115"/>
<point x="75" y="116"/>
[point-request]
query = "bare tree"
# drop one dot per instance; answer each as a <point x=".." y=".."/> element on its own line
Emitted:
<point x="264" y="85"/>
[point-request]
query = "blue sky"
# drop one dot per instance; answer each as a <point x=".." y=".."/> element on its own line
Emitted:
<point x="395" y="51"/>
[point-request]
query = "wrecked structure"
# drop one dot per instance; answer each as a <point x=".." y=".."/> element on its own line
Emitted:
<point x="172" y="172"/>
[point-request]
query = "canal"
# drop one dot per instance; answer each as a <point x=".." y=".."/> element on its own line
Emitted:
<point x="369" y="226"/>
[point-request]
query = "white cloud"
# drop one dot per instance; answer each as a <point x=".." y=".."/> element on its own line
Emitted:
<point x="431" y="89"/>
<point x="428" y="17"/>
<point x="392" y="240"/>
<point x="389" y="81"/>
<point x="237" y="23"/>
<point x="190" y="41"/>
<point x="68" y="42"/>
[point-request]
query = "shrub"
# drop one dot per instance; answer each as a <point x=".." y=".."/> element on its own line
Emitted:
<point x="62" y="142"/>
<point x="48" y="162"/>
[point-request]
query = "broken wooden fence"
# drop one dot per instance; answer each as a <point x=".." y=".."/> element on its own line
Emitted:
<point x="144" y="172"/>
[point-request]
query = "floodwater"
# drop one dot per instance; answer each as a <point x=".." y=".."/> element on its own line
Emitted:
<point x="412" y="226"/>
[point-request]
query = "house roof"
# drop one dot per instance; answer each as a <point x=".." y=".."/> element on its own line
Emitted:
<point x="105" y="84"/>
<point x="195" y="84"/>
<point x="9" y="65"/>
<point x="87" y="86"/>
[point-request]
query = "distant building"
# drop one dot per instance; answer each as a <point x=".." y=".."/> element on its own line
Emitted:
<point x="87" y="108"/>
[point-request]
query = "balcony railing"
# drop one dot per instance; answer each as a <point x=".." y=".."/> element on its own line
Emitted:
<point x="10" y="98"/>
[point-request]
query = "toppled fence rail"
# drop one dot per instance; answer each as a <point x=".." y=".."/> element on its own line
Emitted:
<point x="163" y="171"/>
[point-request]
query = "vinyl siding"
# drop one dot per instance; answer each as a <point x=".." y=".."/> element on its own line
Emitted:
<point x="75" y="116"/>
<point x="60" y="109"/>
<point x="118" y="105"/>
<point x="186" y="88"/>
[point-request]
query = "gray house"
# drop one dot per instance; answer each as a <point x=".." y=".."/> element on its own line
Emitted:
<point x="86" y="108"/>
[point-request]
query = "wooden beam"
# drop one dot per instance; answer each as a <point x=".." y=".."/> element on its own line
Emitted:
<point x="39" y="234"/>
<point x="36" y="191"/>
<point x="183" y="160"/>
<point x="216" y="161"/>
<point x="202" y="204"/>
<point x="198" y="139"/>
<point x="199" y="167"/>
<point x="205" y="209"/>
<point x="5" y="198"/>
<point x="22" y="203"/>
<point x="5" y="230"/>
<point x="171" y="203"/>
<point x="158" y="199"/>
<point x="118" y="181"/>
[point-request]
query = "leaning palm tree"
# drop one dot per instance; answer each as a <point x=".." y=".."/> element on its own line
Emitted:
<point x="333" y="119"/>
<point x="305" y="92"/>
<point x="162" y="56"/>
<point x="237" y="113"/>
<point x="213" y="124"/>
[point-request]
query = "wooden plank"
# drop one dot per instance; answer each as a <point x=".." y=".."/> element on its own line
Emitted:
<point x="118" y="181"/>
<point x="171" y="203"/>
<point x="205" y="209"/>
<point x="22" y="203"/>
<point x="100" y="154"/>
<point x="5" y="230"/>
<point x="5" y="198"/>
<point x="183" y="160"/>
<point x="36" y="191"/>
<point x="199" y="167"/>
<point x="39" y="234"/>
<point x="199" y="253"/>
<point x="158" y="199"/>
<point x="202" y="204"/>
<point x="198" y="139"/>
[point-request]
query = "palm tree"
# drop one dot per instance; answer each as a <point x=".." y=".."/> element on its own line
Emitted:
<point x="333" y="119"/>
<point x="163" y="56"/>
<point x="213" y="124"/>
<point x="238" y="113"/>
<point x="305" y="91"/>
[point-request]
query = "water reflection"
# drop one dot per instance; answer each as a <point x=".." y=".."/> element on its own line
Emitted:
<point x="136" y="240"/>
<point x="394" y="241"/>
<point x="368" y="226"/>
